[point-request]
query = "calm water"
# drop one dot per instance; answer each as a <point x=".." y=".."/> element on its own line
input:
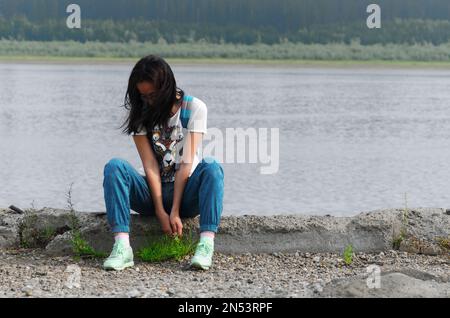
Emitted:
<point x="351" y="140"/>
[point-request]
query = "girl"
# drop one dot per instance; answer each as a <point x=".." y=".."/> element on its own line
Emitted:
<point x="167" y="127"/>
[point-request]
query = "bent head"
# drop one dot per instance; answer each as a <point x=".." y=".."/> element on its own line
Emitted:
<point x="151" y="93"/>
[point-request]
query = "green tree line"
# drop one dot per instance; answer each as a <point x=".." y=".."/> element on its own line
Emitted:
<point x="228" y="21"/>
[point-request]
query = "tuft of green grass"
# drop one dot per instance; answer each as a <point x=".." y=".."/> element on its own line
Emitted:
<point x="167" y="248"/>
<point x="80" y="246"/>
<point x="48" y="233"/>
<point x="444" y="242"/>
<point x="396" y="242"/>
<point x="82" y="249"/>
<point x="348" y="255"/>
<point x="405" y="213"/>
<point x="34" y="235"/>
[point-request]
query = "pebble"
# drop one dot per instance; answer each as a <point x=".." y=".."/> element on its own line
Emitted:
<point x="133" y="294"/>
<point x="258" y="275"/>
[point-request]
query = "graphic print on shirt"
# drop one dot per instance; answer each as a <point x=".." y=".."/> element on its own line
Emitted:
<point x="165" y="141"/>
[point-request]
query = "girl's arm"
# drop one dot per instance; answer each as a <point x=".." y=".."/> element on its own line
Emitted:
<point x="181" y="176"/>
<point x="151" y="168"/>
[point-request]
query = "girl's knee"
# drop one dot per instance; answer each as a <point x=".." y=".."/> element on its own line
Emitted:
<point x="114" y="164"/>
<point x="213" y="168"/>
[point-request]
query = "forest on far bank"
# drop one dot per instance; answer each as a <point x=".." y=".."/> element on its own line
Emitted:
<point x="228" y="21"/>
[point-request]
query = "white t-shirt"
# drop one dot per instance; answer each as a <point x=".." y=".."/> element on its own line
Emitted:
<point x="168" y="144"/>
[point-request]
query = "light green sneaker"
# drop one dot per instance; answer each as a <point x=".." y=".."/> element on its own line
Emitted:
<point x="203" y="254"/>
<point x="121" y="257"/>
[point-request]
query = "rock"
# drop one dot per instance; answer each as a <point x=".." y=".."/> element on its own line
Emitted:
<point x="417" y="246"/>
<point x="133" y="293"/>
<point x="367" y="232"/>
<point x="15" y="209"/>
<point x="317" y="288"/>
<point x="31" y="287"/>
<point x="9" y="229"/>
<point x="60" y="245"/>
<point x="392" y="285"/>
<point x="8" y="237"/>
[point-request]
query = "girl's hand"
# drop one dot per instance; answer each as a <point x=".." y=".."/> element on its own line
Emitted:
<point x="175" y="222"/>
<point x="164" y="219"/>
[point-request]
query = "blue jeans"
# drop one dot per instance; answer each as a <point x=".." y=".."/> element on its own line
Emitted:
<point x="125" y="189"/>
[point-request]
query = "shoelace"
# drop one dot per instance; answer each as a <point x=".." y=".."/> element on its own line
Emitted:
<point x="117" y="251"/>
<point x="203" y="249"/>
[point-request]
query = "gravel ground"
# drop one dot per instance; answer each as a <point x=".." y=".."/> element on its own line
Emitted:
<point x="31" y="273"/>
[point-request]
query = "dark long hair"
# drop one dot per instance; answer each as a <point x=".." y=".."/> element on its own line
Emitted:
<point x="155" y="70"/>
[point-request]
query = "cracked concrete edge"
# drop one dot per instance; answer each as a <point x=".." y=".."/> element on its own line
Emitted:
<point x="366" y="232"/>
